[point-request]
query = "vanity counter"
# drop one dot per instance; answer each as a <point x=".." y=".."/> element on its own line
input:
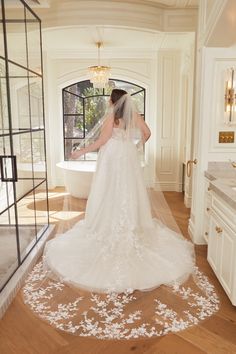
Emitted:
<point x="223" y="183"/>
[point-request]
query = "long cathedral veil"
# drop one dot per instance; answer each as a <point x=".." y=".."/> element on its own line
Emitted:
<point x="113" y="315"/>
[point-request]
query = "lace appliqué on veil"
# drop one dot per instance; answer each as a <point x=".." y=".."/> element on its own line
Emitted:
<point x="119" y="316"/>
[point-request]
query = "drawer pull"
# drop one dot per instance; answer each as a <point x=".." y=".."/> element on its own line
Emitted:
<point x="208" y="209"/>
<point x="209" y="189"/>
<point x="219" y="230"/>
<point x="206" y="233"/>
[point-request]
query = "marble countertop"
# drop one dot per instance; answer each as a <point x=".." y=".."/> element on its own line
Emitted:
<point x="223" y="183"/>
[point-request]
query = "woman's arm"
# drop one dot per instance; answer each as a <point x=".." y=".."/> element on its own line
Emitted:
<point x="105" y="135"/>
<point x="142" y="125"/>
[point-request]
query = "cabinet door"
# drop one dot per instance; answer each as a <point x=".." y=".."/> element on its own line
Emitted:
<point x="213" y="243"/>
<point x="226" y="262"/>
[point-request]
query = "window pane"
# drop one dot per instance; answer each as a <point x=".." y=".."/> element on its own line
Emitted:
<point x="41" y="208"/>
<point x="127" y="86"/>
<point x="82" y="114"/>
<point x="6" y="188"/>
<point x="8" y="246"/>
<point x="139" y="101"/>
<point x="39" y="159"/>
<point x="74" y="126"/>
<point x="36" y="102"/>
<point x="2" y="49"/>
<point x="108" y="89"/>
<point x="20" y="103"/>
<point x="23" y="151"/>
<point x="69" y="144"/>
<point x="72" y="103"/>
<point x="91" y="91"/>
<point x="95" y="108"/>
<point x="72" y="143"/>
<point x="26" y="223"/>
<point x="23" y="148"/>
<point x="33" y="42"/>
<point x="4" y="119"/>
<point x="16" y="34"/>
<point x="84" y="89"/>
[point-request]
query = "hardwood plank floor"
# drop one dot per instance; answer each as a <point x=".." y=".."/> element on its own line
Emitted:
<point x="21" y="332"/>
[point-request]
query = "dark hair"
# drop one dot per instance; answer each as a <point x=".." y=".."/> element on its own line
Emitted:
<point x="115" y="96"/>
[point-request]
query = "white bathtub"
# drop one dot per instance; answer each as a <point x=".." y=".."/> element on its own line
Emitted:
<point x="78" y="176"/>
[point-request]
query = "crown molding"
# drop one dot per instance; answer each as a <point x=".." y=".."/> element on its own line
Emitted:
<point x="212" y="18"/>
<point x="118" y="13"/>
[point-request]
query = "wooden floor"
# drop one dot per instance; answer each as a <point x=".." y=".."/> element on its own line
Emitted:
<point x="23" y="333"/>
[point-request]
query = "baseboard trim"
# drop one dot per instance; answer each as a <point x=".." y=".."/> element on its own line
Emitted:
<point x="168" y="186"/>
<point x="191" y="229"/>
<point x="192" y="232"/>
<point x="9" y="292"/>
<point x="187" y="201"/>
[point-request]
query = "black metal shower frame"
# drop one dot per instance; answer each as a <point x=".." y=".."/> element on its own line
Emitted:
<point x="142" y="89"/>
<point x="31" y="130"/>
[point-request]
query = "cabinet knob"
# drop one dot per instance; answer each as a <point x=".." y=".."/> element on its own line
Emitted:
<point x="206" y="233"/>
<point x="208" y="209"/>
<point x="209" y="189"/>
<point x="219" y="229"/>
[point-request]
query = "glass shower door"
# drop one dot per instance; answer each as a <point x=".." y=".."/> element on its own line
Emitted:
<point x="22" y="146"/>
<point x="9" y="245"/>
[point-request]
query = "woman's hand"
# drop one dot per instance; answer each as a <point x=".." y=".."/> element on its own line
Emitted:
<point x="76" y="154"/>
<point x="106" y="133"/>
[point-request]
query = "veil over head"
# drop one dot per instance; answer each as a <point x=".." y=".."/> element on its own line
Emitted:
<point x="123" y="108"/>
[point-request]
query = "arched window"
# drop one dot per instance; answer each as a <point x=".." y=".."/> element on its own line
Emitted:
<point x="84" y="105"/>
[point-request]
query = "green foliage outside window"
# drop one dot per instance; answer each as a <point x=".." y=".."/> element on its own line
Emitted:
<point x="84" y="106"/>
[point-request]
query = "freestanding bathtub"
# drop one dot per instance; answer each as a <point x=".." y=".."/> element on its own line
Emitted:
<point x="78" y="176"/>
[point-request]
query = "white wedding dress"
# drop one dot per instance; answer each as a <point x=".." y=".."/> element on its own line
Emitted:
<point x="119" y="246"/>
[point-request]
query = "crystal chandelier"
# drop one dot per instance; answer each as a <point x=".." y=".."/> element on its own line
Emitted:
<point x="99" y="74"/>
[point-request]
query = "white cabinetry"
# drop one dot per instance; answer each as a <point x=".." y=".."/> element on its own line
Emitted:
<point x="221" y="253"/>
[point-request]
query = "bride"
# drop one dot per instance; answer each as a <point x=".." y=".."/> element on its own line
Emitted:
<point x="86" y="281"/>
<point x="119" y="246"/>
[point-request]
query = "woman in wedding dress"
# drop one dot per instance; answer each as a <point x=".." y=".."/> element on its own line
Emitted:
<point x="119" y="246"/>
<point x="88" y="279"/>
